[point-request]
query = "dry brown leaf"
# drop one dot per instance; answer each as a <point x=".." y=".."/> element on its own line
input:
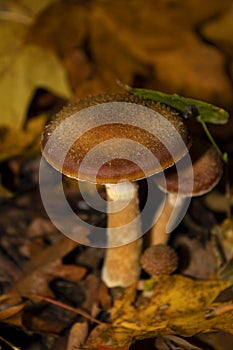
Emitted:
<point x="10" y="315"/>
<point x="104" y="298"/>
<point x="201" y="263"/>
<point x="77" y="335"/>
<point x="113" y="41"/>
<point x="11" y="310"/>
<point x="34" y="285"/>
<point x="166" y="42"/>
<point x="43" y="267"/>
<point x="220" y="29"/>
<point x="64" y="34"/>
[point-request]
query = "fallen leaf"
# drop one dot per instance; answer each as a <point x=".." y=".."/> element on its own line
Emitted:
<point x="17" y="142"/>
<point x="31" y="67"/>
<point x="162" y="44"/>
<point x="102" y="338"/>
<point x="217" y="201"/>
<point x="220" y="30"/>
<point x="45" y="266"/>
<point x="200" y="259"/>
<point x="11" y="312"/>
<point x="110" y="41"/>
<point x="172" y="342"/>
<point x="70" y="30"/>
<point x="23" y="6"/>
<point x="176" y="305"/>
<point x="77" y="335"/>
<point x="104" y="298"/>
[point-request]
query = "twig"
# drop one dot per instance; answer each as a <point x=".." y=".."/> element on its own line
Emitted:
<point x="9" y="344"/>
<point x="67" y="307"/>
<point x="223" y="156"/>
<point x="217" y="310"/>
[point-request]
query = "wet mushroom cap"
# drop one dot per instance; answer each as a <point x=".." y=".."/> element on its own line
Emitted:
<point x="204" y="175"/>
<point x="102" y="145"/>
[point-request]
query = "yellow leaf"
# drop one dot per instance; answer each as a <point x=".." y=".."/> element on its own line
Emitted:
<point x="14" y="143"/>
<point x="220" y="30"/>
<point x="31" y="68"/>
<point x="176" y="305"/>
<point x="22" y="7"/>
<point x="11" y="312"/>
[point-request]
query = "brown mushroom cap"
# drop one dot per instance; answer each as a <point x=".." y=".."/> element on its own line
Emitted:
<point x="115" y="168"/>
<point x="204" y="175"/>
<point x="159" y="259"/>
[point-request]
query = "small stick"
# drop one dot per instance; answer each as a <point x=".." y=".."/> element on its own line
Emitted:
<point x="67" y="307"/>
<point x="9" y="344"/>
<point x="217" y="310"/>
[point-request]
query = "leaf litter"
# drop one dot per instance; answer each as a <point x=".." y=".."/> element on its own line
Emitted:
<point x="99" y="43"/>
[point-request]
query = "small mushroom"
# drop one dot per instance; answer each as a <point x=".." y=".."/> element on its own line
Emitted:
<point x="197" y="180"/>
<point x="158" y="260"/>
<point x="116" y="137"/>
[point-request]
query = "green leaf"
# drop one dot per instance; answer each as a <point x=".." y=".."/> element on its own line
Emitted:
<point x="32" y="67"/>
<point x="207" y="112"/>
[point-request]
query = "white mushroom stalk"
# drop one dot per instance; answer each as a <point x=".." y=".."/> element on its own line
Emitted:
<point x="160" y="232"/>
<point x="195" y="179"/>
<point x="121" y="265"/>
<point x="110" y="139"/>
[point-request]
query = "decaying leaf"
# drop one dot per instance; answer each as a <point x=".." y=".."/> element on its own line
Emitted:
<point x="17" y="7"/>
<point x="96" y="43"/>
<point x="15" y="142"/>
<point x="9" y="313"/>
<point x="43" y="267"/>
<point x="176" y="305"/>
<point x="220" y="29"/>
<point x="33" y="284"/>
<point x="24" y="68"/>
<point x="77" y="335"/>
<point x="11" y="309"/>
<point x="111" y="41"/>
<point x="162" y="42"/>
<point x="103" y="338"/>
<point x="172" y="342"/>
<point x="31" y="67"/>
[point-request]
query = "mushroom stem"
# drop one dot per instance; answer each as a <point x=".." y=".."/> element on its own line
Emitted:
<point x="160" y="232"/>
<point x="122" y="260"/>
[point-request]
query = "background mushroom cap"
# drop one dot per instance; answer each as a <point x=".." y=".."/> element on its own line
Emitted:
<point x="136" y="164"/>
<point x="206" y="171"/>
<point x="159" y="260"/>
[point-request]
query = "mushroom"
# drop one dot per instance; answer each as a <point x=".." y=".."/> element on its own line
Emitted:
<point x="158" y="260"/>
<point x="115" y="140"/>
<point x="182" y="182"/>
